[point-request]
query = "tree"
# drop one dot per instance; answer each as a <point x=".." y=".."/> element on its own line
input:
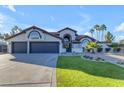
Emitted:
<point x="6" y="35"/>
<point x="97" y="29"/>
<point x="15" y="30"/>
<point x="103" y="29"/>
<point x="109" y="37"/>
<point x="100" y="29"/>
<point x="1" y="36"/>
<point x="92" y="31"/>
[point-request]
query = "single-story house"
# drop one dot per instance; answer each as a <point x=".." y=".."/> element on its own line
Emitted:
<point x="37" y="40"/>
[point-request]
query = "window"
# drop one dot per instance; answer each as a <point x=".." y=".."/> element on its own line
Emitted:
<point x="84" y="42"/>
<point x="34" y="35"/>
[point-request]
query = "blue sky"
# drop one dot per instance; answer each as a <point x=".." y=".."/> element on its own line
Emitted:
<point x="54" y="18"/>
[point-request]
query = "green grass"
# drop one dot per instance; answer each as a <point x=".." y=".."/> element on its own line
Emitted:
<point x="74" y="71"/>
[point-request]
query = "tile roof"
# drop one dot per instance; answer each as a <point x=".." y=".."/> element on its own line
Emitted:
<point x="54" y="34"/>
<point x="33" y="27"/>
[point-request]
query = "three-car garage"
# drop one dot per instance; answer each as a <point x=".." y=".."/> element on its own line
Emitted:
<point x="35" y="47"/>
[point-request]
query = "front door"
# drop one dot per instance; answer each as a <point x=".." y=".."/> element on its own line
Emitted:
<point x="69" y="48"/>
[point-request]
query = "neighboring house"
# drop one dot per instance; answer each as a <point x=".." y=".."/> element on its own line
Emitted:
<point x="3" y="46"/>
<point x="37" y="40"/>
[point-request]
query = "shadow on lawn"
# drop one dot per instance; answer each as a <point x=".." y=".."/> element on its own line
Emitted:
<point x="101" y="69"/>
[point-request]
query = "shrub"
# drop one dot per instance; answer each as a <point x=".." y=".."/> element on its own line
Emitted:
<point x="88" y="50"/>
<point x="99" y="49"/>
<point x="99" y="59"/>
<point x="113" y="45"/>
<point x="121" y="63"/>
<point x="118" y="49"/>
<point x="107" y="49"/>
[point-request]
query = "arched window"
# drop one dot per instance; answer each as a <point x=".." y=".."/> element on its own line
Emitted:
<point x="34" y="35"/>
<point x="67" y="37"/>
<point x="84" y="42"/>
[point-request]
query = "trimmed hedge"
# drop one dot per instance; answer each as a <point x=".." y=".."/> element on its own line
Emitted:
<point x="99" y="49"/>
<point x="117" y="49"/>
<point x="107" y="49"/>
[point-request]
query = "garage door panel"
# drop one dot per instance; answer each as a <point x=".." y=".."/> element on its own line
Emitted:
<point x="19" y="47"/>
<point x="44" y="47"/>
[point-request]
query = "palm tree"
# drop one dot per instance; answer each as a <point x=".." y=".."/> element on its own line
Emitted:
<point x="97" y="29"/>
<point x="103" y="29"/>
<point x="109" y="37"/>
<point x="92" y="31"/>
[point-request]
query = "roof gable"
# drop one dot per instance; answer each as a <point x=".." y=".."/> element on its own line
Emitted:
<point x="68" y="29"/>
<point x="33" y="27"/>
<point x="80" y="37"/>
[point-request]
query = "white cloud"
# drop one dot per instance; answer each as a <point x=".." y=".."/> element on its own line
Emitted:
<point x="7" y="22"/>
<point x="119" y="28"/>
<point x="12" y="8"/>
<point x="88" y="34"/>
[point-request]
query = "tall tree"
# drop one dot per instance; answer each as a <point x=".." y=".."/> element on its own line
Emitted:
<point x="109" y="37"/>
<point x="97" y="29"/>
<point x="15" y="30"/>
<point x="103" y="29"/>
<point x="6" y="35"/>
<point x="92" y="31"/>
<point x="1" y="36"/>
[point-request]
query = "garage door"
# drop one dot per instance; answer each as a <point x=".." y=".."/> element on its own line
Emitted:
<point x="44" y="47"/>
<point x="19" y="47"/>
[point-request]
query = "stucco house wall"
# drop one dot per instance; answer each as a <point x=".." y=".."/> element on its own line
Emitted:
<point x="19" y="38"/>
<point x="71" y="33"/>
<point x="76" y="48"/>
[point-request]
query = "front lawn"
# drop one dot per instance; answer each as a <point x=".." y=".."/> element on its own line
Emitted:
<point x="74" y="71"/>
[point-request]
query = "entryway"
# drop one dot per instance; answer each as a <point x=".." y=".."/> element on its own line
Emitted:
<point x="68" y="42"/>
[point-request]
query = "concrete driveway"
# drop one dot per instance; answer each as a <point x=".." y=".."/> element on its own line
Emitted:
<point x="28" y="70"/>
